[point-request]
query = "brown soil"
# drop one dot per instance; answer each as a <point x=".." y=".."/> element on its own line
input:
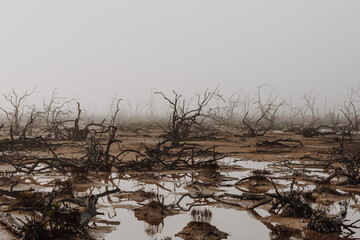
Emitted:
<point x="153" y="213"/>
<point x="200" y="231"/>
<point x="208" y="181"/>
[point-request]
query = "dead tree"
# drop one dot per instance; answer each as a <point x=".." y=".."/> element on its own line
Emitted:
<point x="333" y="118"/>
<point x="54" y="113"/>
<point x="183" y="121"/>
<point x="114" y="110"/>
<point x="76" y="133"/>
<point x="268" y="108"/>
<point x="303" y="110"/>
<point x="294" y="112"/>
<point x="98" y="157"/>
<point x="150" y="105"/>
<point x="252" y="125"/>
<point x="310" y="105"/>
<point x="351" y="111"/>
<point x="351" y="168"/>
<point x="291" y="203"/>
<point x="252" y="122"/>
<point x="28" y="128"/>
<point x="227" y="114"/>
<point x="135" y="110"/>
<point x="16" y="112"/>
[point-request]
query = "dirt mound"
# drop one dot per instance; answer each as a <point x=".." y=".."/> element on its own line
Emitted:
<point x="200" y="231"/>
<point x="152" y="213"/>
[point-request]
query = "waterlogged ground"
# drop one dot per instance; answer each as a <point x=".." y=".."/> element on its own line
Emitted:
<point x="124" y="216"/>
<point x="120" y="221"/>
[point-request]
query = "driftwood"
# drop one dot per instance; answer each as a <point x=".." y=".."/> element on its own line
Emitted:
<point x="12" y="224"/>
<point x="316" y="179"/>
<point x="321" y="222"/>
<point x="290" y="203"/>
<point x="161" y="159"/>
<point x="228" y="198"/>
<point x="314" y="131"/>
<point x="330" y="190"/>
<point x="278" y="145"/>
<point x="90" y="210"/>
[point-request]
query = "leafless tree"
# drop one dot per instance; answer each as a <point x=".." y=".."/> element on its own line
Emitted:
<point x="299" y="115"/>
<point x="77" y="133"/>
<point x="33" y="116"/>
<point x="228" y="113"/>
<point x="136" y="109"/>
<point x="16" y="111"/>
<point x="97" y="156"/>
<point x="294" y="113"/>
<point x="257" y="113"/>
<point x="310" y="105"/>
<point x="252" y="124"/>
<point x="351" y="110"/>
<point x="28" y="128"/>
<point x="269" y="107"/>
<point x="114" y="110"/>
<point x="150" y="105"/>
<point x="54" y="112"/>
<point x="333" y="118"/>
<point x="183" y="121"/>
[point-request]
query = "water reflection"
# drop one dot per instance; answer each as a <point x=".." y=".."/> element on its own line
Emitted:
<point x="139" y="189"/>
<point x="238" y="223"/>
<point x="152" y="230"/>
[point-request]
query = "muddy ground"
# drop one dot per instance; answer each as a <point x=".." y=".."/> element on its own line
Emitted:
<point x="158" y="204"/>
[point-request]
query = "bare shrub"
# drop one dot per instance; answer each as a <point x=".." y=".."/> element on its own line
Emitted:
<point x="201" y="215"/>
<point x="183" y="121"/>
<point x="16" y="111"/>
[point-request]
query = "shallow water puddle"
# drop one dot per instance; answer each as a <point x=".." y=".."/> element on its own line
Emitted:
<point x="237" y="223"/>
<point x="119" y="221"/>
<point x="249" y="164"/>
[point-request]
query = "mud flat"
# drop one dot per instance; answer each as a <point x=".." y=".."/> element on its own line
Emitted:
<point x="268" y="187"/>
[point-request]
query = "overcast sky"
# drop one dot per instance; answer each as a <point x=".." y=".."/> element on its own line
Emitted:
<point x="92" y="50"/>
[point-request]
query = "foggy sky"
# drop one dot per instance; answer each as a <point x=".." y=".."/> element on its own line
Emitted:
<point x="92" y="50"/>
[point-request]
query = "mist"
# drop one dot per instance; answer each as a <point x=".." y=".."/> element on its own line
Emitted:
<point x="165" y="119"/>
<point x="93" y="51"/>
